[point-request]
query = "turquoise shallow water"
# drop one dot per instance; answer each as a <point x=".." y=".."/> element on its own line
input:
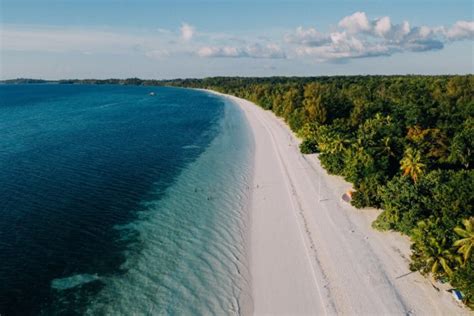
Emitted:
<point x="189" y="257"/>
<point x="116" y="202"/>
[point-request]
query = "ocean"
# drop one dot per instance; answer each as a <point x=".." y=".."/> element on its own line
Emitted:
<point x="117" y="202"/>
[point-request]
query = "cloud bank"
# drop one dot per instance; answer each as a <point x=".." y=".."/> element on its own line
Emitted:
<point x="271" y="51"/>
<point x="354" y="36"/>
<point x="359" y="37"/>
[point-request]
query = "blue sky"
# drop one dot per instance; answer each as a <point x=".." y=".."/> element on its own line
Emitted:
<point x="171" y="39"/>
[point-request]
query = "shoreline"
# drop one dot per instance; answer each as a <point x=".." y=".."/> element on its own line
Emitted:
<point x="312" y="253"/>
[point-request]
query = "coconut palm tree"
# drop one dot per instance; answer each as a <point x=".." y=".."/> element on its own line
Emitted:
<point x="438" y="257"/>
<point x="411" y="164"/>
<point x="337" y="144"/>
<point x="466" y="243"/>
<point x="386" y="147"/>
<point x="432" y="254"/>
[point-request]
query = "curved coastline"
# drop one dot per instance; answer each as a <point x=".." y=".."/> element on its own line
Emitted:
<point x="312" y="253"/>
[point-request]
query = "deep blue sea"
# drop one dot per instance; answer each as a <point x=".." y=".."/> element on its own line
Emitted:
<point x="116" y="202"/>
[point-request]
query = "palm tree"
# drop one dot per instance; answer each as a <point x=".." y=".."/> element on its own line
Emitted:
<point x="337" y="144"/>
<point x="411" y="164"/>
<point x="324" y="142"/>
<point x="466" y="243"/>
<point x="438" y="257"/>
<point x="386" y="147"/>
<point x="431" y="252"/>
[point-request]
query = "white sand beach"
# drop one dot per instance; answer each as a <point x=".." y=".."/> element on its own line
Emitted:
<point x="311" y="253"/>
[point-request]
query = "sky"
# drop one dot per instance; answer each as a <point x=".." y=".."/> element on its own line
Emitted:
<point x="58" y="39"/>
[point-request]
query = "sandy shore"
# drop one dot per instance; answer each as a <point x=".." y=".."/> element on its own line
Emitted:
<point x="312" y="253"/>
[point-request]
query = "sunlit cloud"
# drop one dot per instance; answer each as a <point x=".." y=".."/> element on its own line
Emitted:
<point x="187" y="32"/>
<point x="460" y="30"/>
<point x="355" y="23"/>
<point x="359" y="37"/>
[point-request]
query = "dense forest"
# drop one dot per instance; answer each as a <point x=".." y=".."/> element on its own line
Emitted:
<point x="405" y="142"/>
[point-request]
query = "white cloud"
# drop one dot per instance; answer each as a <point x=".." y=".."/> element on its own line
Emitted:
<point x="187" y="32"/>
<point x="270" y="51"/>
<point x="461" y="30"/>
<point x="265" y="51"/>
<point x="382" y="26"/>
<point x="397" y="32"/>
<point x="307" y="37"/>
<point x="359" y="37"/>
<point x="214" y="51"/>
<point x="355" y="23"/>
<point x="343" y="46"/>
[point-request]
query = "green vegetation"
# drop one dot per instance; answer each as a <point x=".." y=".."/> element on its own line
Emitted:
<point x="405" y="143"/>
<point x="466" y="243"/>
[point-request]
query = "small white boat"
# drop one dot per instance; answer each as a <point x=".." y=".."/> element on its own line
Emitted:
<point x="152" y="93"/>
